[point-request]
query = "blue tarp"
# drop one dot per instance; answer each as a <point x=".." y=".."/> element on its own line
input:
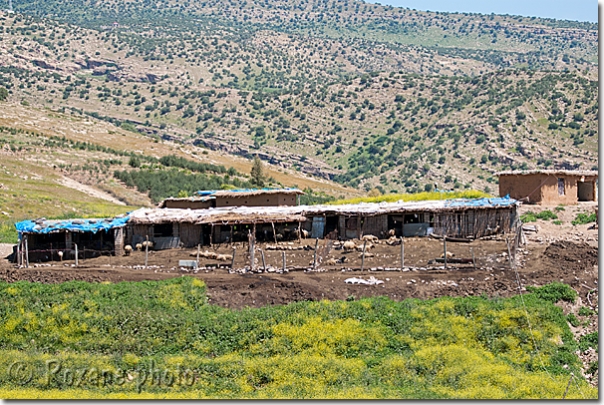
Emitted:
<point x="482" y="202"/>
<point x="71" y="225"/>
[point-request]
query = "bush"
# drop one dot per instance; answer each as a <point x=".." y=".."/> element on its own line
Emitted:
<point x="584" y="311"/>
<point x="532" y="216"/>
<point x="583" y="218"/>
<point x="554" y="292"/>
<point x="573" y="320"/>
<point x="589" y="340"/>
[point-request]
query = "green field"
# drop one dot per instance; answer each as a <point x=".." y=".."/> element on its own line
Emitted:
<point x="162" y="340"/>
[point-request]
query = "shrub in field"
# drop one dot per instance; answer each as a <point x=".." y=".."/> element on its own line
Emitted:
<point x="554" y="292"/>
<point x="583" y="218"/>
<point x="545" y="215"/>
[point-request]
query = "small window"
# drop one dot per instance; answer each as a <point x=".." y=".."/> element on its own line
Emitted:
<point x="561" y="186"/>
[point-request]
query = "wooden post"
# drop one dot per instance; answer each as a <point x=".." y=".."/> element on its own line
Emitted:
<point x="402" y="253"/>
<point x="363" y="257"/>
<point x="197" y="262"/>
<point x="263" y="261"/>
<point x="76" y="254"/>
<point x="251" y="246"/>
<point x="146" y="250"/>
<point x="314" y="263"/>
<point x="473" y="259"/>
<point x="26" y="253"/>
<point x="274" y="233"/>
<point x="299" y="232"/>
<point x="211" y="235"/>
<point x="445" y="249"/>
<point x="233" y="259"/>
<point x="284" y="267"/>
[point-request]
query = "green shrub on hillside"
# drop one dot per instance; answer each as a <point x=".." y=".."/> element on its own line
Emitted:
<point x="583" y="218"/>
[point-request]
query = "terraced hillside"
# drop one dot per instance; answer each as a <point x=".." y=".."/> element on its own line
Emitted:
<point x="367" y="95"/>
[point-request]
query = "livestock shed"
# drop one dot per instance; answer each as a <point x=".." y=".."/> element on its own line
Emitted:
<point x="42" y="239"/>
<point x="462" y="218"/>
<point x="549" y="187"/>
<point x="188" y="228"/>
<point x="262" y="197"/>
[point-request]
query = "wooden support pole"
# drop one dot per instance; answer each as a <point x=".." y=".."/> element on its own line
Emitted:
<point x="76" y="254"/>
<point x="445" y="249"/>
<point x="197" y="261"/>
<point x="284" y="266"/>
<point x="363" y="256"/>
<point x="26" y="253"/>
<point x="314" y="263"/>
<point x="263" y="261"/>
<point x="299" y="232"/>
<point x="274" y="233"/>
<point x="233" y="260"/>
<point x="402" y="253"/>
<point x="211" y="234"/>
<point x="251" y="247"/>
<point x="146" y="250"/>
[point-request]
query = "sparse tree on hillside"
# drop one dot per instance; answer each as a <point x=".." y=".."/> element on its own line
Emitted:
<point x="3" y="94"/>
<point x="258" y="176"/>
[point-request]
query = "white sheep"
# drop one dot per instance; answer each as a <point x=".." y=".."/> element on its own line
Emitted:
<point x="392" y="232"/>
<point x="60" y="253"/>
<point x="449" y="255"/>
<point x="127" y="250"/>
<point x="139" y="247"/>
<point x="349" y="245"/>
<point x="332" y="261"/>
<point x="370" y="238"/>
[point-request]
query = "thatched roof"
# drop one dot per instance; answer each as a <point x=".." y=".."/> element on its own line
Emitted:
<point x="248" y="215"/>
<point x="249" y="192"/>
<point x="218" y="216"/>
<point x="578" y="173"/>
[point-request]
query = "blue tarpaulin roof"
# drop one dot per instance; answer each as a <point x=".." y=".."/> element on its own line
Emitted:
<point x="481" y="202"/>
<point x="71" y="225"/>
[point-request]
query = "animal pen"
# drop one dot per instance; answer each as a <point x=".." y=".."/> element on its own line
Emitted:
<point x="44" y="240"/>
<point x="460" y="218"/>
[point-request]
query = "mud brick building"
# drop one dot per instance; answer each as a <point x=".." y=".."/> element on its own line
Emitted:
<point x="549" y="187"/>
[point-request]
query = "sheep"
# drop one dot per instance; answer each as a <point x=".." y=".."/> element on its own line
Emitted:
<point x="449" y="255"/>
<point x="139" y="247"/>
<point x="147" y="243"/>
<point x="60" y="253"/>
<point x="370" y="238"/>
<point x="332" y="262"/>
<point x="127" y="250"/>
<point x="305" y="233"/>
<point x="349" y="246"/>
<point x="393" y="240"/>
<point x="392" y="232"/>
<point x="368" y="246"/>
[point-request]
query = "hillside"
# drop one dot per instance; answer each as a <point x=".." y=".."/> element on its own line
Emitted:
<point x="366" y="95"/>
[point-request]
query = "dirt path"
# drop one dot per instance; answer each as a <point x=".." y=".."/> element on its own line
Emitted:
<point x="91" y="191"/>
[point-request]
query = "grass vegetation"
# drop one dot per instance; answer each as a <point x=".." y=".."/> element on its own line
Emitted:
<point x="470" y="347"/>
<point x="544" y="215"/>
<point x="584" y="218"/>
<point x="423" y="196"/>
